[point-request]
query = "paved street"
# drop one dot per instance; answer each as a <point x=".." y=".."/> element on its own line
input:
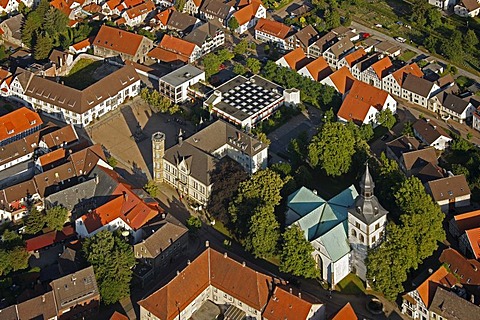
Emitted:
<point x="406" y="46"/>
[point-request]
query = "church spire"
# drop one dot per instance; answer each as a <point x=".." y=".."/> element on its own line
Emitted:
<point x="366" y="184"/>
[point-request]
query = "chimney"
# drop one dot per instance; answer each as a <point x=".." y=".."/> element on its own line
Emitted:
<point x="238" y="135"/>
<point x="291" y="291"/>
<point x="178" y="272"/>
<point x="314" y="192"/>
<point x="43" y="298"/>
<point x="225" y="255"/>
<point x="244" y="264"/>
<point x="188" y="262"/>
<point x="300" y="295"/>
<point x="410" y="147"/>
<point x="120" y="33"/>
<point x="207" y="244"/>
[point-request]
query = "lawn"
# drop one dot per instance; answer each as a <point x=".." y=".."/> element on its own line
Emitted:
<point x="351" y="284"/>
<point x="222" y="229"/>
<point x="81" y="74"/>
<point x="407" y="55"/>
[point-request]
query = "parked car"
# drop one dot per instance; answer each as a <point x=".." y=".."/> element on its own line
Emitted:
<point x="400" y="39"/>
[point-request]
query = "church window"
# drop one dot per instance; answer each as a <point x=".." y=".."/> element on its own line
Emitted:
<point x="362" y="238"/>
<point x="354" y="233"/>
<point x="377" y="226"/>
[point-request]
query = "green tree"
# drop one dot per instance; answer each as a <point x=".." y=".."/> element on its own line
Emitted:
<point x="239" y="69"/>
<point x="332" y="18"/>
<point x="296" y="255"/>
<point x="408" y="129"/>
<point x="329" y="116"/>
<point x="263" y="233"/>
<point x="241" y="47"/>
<point x="11" y="239"/>
<point x="225" y="181"/>
<point x="386" y="119"/>
<point x="233" y="24"/>
<point x="56" y="217"/>
<point x="193" y="224"/>
<point x="112" y="161"/>
<point x="35" y="221"/>
<point x="254" y="65"/>
<point x="151" y="188"/>
<point x="434" y="17"/>
<point x="389" y="177"/>
<point x="43" y="47"/>
<point x="263" y="137"/>
<point x="470" y="39"/>
<point x="33" y="22"/>
<point x="55" y="21"/>
<point x="112" y="259"/>
<point x="18" y="258"/>
<point x="332" y="149"/>
<point x="157" y="101"/>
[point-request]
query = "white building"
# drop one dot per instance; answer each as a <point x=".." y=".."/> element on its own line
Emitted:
<point x="248" y="16"/>
<point x="450" y="192"/>
<point x="273" y="32"/>
<point x="393" y="82"/>
<point x="176" y="84"/>
<point x="73" y="106"/>
<point x="431" y="134"/>
<point x="418" y="90"/>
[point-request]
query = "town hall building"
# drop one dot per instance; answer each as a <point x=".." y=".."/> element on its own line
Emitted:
<point x="342" y="229"/>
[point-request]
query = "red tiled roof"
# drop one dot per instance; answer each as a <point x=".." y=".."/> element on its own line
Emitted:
<point x="167" y="56"/>
<point x="401" y="73"/>
<point x="381" y="67"/>
<point x="296" y="59"/>
<point x="177" y="45"/>
<point x="284" y="305"/>
<point x="473" y="236"/>
<point x="319" y="69"/>
<point x="112" y="4"/>
<point x="247" y="13"/>
<point x="17" y="122"/>
<point x="467" y="220"/>
<point x="52" y="157"/>
<point x="132" y="3"/>
<point x="273" y="28"/>
<point x="356" y="55"/>
<point x="141" y="9"/>
<point x="346" y="313"/>
<point x="342" y="79"/>
<point x="427" y="289"/>
<point x="118" y="316"/>
<point x="49" y="238"/>
<point x="83" y="44"/>
<point x="93" y="8"/>
<point x="118" y="40"/>
<point x="165" y="15"/>
<point x="467" y="269"/>
<point x="62" y="5"/>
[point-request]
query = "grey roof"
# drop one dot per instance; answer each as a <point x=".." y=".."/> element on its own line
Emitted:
<point x="216" y="8"/>
<point x="366" y="207"/>
<point x="403" y="144"/>
<point x="75" y="288"/>
<point x="199" y="35"/>
<point x="454" y="103"/>
<point x="80" y="101"/>
<point x="68" y="261"/>
<point x="452" y="307"/>
<point x="159" y="237"/>
<point x="326" y="41"/>
<point x="417" y="85"/>
<point x="428" y="130"/>
<point x="15" y="24"/>
<point x="342" y="46"/>
<point x="181" y="21"/>
<point x="449" y="188"/>
<point x="307" y="35"/>
<point x="71" y="197"/>
<point x="181" y="75"/>
<point x="429" y="172"/>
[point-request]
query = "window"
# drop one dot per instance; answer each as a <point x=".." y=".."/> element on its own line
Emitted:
<point x="354" y="233"/>
<point x="362" y="238"/>
<point x="357" y="225"/>
<point x="377" y="226"/>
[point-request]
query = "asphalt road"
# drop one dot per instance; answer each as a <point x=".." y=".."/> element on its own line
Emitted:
<point x="406" y="46"/>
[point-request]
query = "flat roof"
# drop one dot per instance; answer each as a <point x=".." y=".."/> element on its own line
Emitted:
<point x="242" y="97"/>
<point x="181" y="75"/>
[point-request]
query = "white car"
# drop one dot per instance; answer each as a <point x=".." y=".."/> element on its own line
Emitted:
<point x="400" y="39"/>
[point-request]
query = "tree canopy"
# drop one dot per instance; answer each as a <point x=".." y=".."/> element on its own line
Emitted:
<point x="56" y="217"/>
<point x="13" y="260"/>
<point x="112" y="259"/>
<point x="35" y="221"/>
<point x="158" y="102"/>
<point x="264" y="232"/>
<point x="296" y="257"/>
<point x="386" y="119"/>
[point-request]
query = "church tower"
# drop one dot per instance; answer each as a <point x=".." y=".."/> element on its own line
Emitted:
<point x="158" y="151"/>
<point x="367" y="220"/>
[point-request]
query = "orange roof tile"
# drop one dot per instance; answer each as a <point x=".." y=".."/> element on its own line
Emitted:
<point x="83" y="44"/>
<point x="427" y="289"/>
<point x="361" y="97"/>
<point x="112" y="4"/>
<point x="1" y="31"/>
<point x="62" y="5"/>
<point x="177" y="45"/>
<point x="52" y="157"/>
<point x="118" y="316"/>
<point x="473" y="236"/>
<point x="132" y="3"/>
<point x="18" y="121"/>
<point x="355" y="56"/>
<point x="342" y="79"/>
<point x="295" y="59"/>
<point x="118" y="40"/>
<point x="246" y="13"/>
<point x="319" y="68"/>
<point x="167" y="56"/>
<point x="346" y="313"/>
<point x="381" y="67"/>
<point x="93" y="8"/>
<point x="273" y="28"/>
<point x="467" y="220"/>
<point x="284" y="305"/>
<point x="141" y="9"/>
<point x="401" y="73"/>
<point x="165" y="15"/>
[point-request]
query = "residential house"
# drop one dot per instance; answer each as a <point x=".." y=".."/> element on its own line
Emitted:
<point x="351" y="59"/>
<point x="161" y="19"/>
<point x="450" y="192"/>
<point x="138" y="14"/>
<point x="443" y="4"/>
<point x="345" y="313"/>
<point x="248" y="15"/>
<point x="337" y="51"/>
<point x="175" y="51"/>
<point x="81" y="47"/>
<point x="216" y="278"/>
<point x="416" y="303"/>
<point x="342" y="80"/>
<point x="112" y="42"/>
<point x="346" y="32"/>
<point x="73" y="106"/>
<point x="466" y="228"/>
<point x="447" y="304"/>
<point x="182" y="22"/>
<point x="388" y="49"/>
<point x="162" y="242"/>
<point x="9" y="6"/>
<point x="302" y="39"/>
<point x="294" y="60"/>
<point x="273" y="32"/>
<point x="316" y="70"/>
<point x="467" y="8"/>
<point x="40" y="307"/>
<point x="61" y="60"/>
<point x="466" y="271"/>
<point x="216" y="10"/>
<point x="12" y="29"/>
<point x="363" y="103"/>
<point x="375" y="73"/>
<point x="245" y="101"/>
<point x="192" y="7"/>
<point x="18" y="124"/>
<point x="431" y="134"/>
<point x="340" y="229"/>
<point x="317" y="48"/>
<point x="393" y="82"/>
<point x="298" y="10"/>
<point x="362" y="64"/>
<point x="433" y="70"/>
<point x="112" y="7"/>
<point x="187" y="165"/>
<point x="454" y="107"/>
<point x="175" y="85"/>
<point x="51" y="238"/>
<point x="207" y="37"/>
<point x="6" y="78"/>
<point x="417" y="90"/>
